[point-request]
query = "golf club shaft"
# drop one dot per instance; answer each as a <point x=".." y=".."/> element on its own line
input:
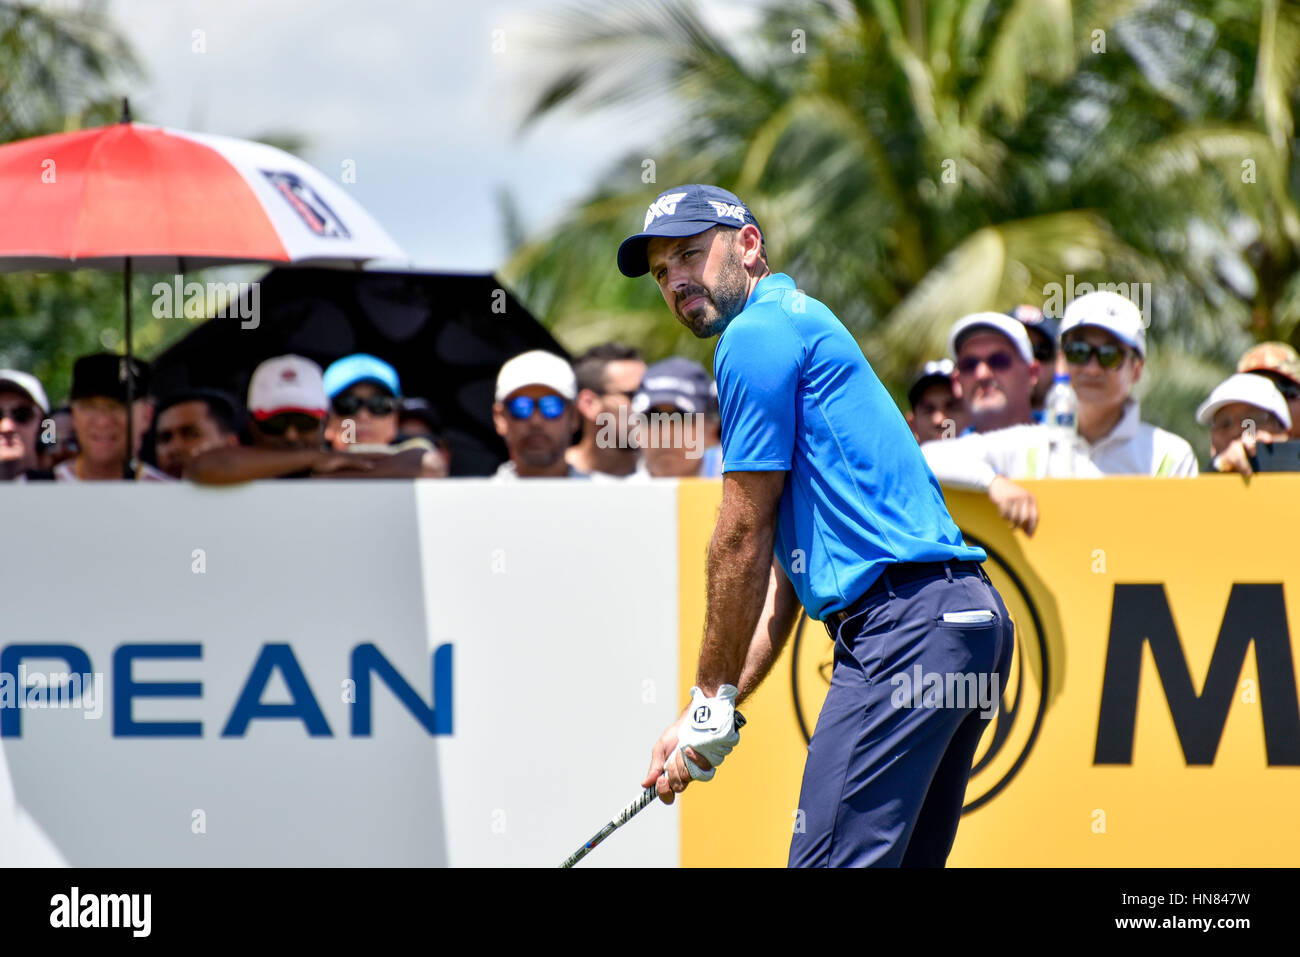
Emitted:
<point x="629" y="812"/>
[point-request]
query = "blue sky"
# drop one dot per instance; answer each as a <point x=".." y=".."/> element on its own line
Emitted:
<point x="411" y="91"/>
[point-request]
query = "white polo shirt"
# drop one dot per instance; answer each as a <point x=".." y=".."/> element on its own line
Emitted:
<point x="1133" y="447"/>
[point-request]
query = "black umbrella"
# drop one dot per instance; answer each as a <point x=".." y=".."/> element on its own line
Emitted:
<point x="447" y="336"/>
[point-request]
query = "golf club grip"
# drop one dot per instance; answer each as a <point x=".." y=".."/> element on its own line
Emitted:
<point x="646" y="797"/>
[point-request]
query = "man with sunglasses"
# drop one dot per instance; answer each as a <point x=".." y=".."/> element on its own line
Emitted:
<point x="608" y="376"/>
<point x="1103" y="340"/>
<point x="826" y="504"/>
<point x="996" y="371"/>
<point x="22" y="406"/>
<point x="534" y="413"/>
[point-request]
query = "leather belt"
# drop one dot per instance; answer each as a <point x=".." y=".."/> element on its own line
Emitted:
<point x="898" y="574"/>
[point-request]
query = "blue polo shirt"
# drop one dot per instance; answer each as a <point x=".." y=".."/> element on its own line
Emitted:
<point x="796" y="394"/>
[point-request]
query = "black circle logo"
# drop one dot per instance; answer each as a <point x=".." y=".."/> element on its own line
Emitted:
<point x="1010" y="737"/>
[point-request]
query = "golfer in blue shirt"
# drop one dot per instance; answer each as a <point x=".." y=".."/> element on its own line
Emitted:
<point x="826" y="502"/>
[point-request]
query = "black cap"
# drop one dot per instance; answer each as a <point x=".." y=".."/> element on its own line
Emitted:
<point x="105" y="374"/>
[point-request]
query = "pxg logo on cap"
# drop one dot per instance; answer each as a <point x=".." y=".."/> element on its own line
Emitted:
<point x="682" y="211"/>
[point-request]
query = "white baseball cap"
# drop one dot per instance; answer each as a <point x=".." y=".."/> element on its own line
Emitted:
<point x="1256" y="390"/>
<point x="286" y="384"/>
<point x="1110" y="311"/>
<point x="1013" y="329"/>
<point x="26" y="382"/>
<point x="537" y="368"/>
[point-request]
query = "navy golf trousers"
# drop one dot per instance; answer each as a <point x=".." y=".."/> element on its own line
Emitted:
<point x="889" y="761"/>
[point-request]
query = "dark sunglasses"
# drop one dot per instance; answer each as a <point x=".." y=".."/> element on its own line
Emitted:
<point x="1044" y="351"/>
<point x="1108" y="355"/>
<point x="280" y="424"/>
<point x="375" y="405"/>
<point x="521" y="406"/>
<point x="998" y="362"/>
<point x="21" y="414"/>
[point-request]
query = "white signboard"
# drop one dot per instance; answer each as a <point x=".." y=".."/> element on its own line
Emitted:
<point x="339" y="673"/>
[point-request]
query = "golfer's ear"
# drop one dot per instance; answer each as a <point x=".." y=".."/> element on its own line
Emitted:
<point x="750" y="244"/>
<point x="499" y="418"/>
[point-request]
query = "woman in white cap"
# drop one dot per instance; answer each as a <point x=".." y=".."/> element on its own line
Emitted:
<point x="1243" y="411"/>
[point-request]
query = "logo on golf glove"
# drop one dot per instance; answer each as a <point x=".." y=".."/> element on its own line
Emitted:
<point x="711" y="729"/>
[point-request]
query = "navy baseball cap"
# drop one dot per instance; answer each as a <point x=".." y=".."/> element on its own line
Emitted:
<point x="679" y="382"/>
<point x="682" y="211"/>
<point x="360" y="367"/>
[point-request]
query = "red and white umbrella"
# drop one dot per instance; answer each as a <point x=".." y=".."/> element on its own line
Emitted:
<point x="170" y="201"/>
<point x="162" y="200"/>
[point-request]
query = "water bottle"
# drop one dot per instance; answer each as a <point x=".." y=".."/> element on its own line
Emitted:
<point x="1062" y="418"/>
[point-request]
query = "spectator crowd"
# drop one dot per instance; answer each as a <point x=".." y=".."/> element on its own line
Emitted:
<point x="979" y="414"/>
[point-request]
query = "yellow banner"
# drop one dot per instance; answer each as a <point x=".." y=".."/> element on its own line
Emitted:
<point x="1151" y="717"/>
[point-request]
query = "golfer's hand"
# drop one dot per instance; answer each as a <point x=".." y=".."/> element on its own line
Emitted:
<point x="672" y="777"/>
<point x="1015" y="504"/>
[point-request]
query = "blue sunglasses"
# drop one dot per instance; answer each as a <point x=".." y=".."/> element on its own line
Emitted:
<point x="521" y="407"/>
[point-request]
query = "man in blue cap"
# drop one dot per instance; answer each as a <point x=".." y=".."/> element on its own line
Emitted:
<point x="826" y="502"/>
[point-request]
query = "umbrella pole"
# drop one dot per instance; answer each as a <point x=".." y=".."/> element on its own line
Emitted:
<point x="128" y="464"/>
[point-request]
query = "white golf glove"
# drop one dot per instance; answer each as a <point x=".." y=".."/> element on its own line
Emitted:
<point x="711" y="728"/>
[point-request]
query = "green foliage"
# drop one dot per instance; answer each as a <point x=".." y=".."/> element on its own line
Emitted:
<point x="915" y="161"/>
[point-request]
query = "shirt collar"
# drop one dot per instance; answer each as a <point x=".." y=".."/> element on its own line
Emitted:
<point x="769" y="283"/>
<point x="1125" y="429"/>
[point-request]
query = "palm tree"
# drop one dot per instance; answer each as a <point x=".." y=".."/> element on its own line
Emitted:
<point x="914" y="161"/>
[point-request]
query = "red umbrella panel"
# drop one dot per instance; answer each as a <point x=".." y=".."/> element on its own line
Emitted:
<point x="162" y="200"/>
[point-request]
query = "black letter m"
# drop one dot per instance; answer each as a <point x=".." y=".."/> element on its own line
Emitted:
<point x="1139" y="614"/>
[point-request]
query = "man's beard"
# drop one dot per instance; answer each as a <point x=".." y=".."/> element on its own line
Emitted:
<point x="722" y="303"/>
<point x="539" y="455"/>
